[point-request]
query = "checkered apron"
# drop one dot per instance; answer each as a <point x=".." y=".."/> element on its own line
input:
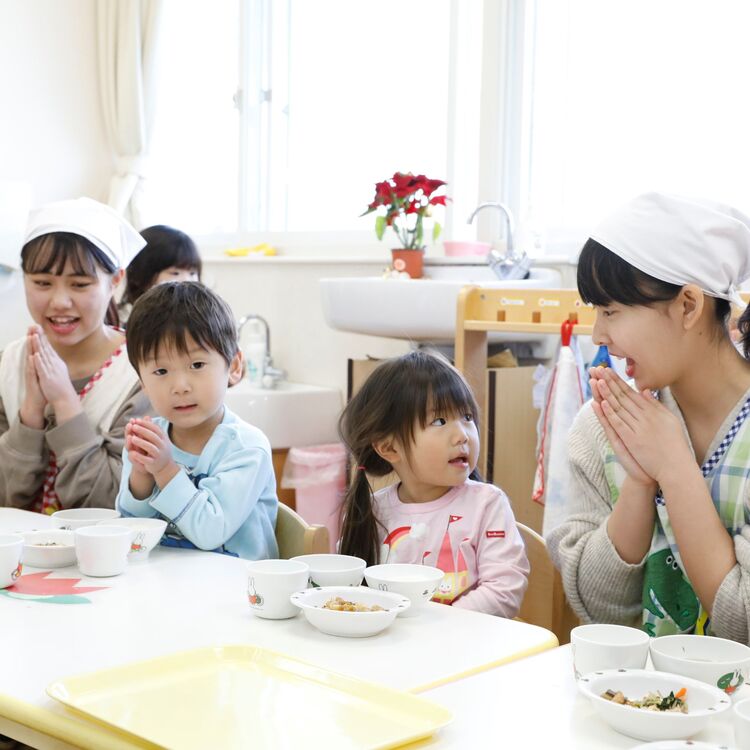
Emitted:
<point x="669" y="602"/>
<point x="48" y="501"/>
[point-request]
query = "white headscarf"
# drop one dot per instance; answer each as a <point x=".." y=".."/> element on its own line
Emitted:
<point x="98" y="223"/>
<point x="682" y="241"/>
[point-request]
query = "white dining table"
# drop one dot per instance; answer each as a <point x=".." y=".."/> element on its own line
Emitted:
<point x="52" y="626"/>
<point x="535" y="704"/>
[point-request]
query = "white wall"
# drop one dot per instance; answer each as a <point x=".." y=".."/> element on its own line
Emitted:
<point x="51" y="130"/>
<point x="287" y="295"/>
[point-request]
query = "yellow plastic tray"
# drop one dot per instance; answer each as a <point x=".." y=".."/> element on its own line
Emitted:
<point x="247" y="697"/>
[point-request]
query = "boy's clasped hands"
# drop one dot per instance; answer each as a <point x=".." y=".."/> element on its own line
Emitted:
<point x="46" y="381"/>
<point x="646" y="437"/>
<point x="150" y="453"/>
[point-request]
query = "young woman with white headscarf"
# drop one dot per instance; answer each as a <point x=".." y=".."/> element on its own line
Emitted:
<point x="657" y="531"/>
<point x="67" y="389"/>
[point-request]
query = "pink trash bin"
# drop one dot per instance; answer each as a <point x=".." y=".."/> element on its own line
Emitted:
<point x="317" y="474"/>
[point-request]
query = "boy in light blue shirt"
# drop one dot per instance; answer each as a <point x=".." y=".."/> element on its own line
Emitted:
<point x="197" y="465"/>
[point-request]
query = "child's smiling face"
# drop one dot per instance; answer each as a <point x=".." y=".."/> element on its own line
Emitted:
<point x="188" y="388"/>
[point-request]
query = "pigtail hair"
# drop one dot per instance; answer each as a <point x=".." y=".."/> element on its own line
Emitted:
<point x="359" y="531"/>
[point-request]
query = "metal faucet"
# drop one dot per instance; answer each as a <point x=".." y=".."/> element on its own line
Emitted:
<point x="509" y="266"/>
<point x="271" y="375"/>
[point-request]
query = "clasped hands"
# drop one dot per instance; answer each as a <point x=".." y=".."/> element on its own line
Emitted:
<point x="46" y="381"/>
<point x="646" y="437"/>
<point x="150" y="451"/>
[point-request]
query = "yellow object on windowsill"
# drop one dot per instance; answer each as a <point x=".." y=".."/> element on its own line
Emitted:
<point x="262" y="249"/>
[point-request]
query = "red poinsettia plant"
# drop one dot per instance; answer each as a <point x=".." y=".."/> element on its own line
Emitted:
<point x="407" y="199"/>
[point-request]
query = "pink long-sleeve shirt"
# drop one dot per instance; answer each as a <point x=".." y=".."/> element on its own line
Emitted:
<point x="470" y="534"/>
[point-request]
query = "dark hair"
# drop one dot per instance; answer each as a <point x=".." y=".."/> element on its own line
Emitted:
<point x="604" y="278"/>
<point x="50" y="252"/>
<point x="168" y="313"/>
<point x="397" y="395"/>
<point x="165" y="247"/>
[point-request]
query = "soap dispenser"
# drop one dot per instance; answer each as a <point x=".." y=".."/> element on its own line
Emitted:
<point x="255" y="351"/>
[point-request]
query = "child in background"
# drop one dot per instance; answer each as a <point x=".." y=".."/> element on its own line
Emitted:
<point x="169" y="255"/>
<point x="197" y="465"/>
<point x="67" y="389"/>
<point x="416" y="416"/>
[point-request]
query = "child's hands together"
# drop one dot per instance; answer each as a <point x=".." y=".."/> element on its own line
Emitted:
<point x="34" y="400"/>
<point x="646" y="437"/>
<point x="150" y="449"/>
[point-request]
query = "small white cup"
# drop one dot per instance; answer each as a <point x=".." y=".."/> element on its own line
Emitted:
<point x="608" y="647"/>
<point x="11" y="551"/>
<point x="270" y="583"/>
<point x="741" y="719"/>
<point x="103" y="550"/>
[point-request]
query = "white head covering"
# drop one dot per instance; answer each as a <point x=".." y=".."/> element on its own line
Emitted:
<point x="98" y="223"/>
<point x="682" y="241"/>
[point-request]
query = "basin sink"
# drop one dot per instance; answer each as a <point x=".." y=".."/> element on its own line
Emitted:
<point x="420" y="310"/>
<point x="292" y="414"/>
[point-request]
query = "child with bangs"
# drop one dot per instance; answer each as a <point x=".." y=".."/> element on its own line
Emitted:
<point x="197" y="465"/>
<point x="67" y="389"/>
<point x="416" y="416"/>
<point x="657" y="532"/>
<point x="169" y="255"/>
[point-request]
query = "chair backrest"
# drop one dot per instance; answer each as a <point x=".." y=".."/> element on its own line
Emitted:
<point x="545" y="603"/>
<point x="297" y="537"/>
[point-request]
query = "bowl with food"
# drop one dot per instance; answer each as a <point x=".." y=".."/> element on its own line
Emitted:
<point x="53" y="548"/>
<point x="650" y="705"/>
<point x="416" y="582"/>
<point x="147" y="534"/>
<point x="716" y="661"/>
<point x="76" y="518"/>
<point x="349" y="611"/>
<point x="334" y="570"/>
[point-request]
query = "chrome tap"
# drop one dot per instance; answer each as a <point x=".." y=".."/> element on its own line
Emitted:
<point x="270" y="375"/>
<point x="509" y="266"/>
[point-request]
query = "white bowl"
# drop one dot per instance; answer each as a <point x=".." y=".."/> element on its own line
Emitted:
<point x="416" y="582"/>
<point x="76" y="518"/>
<point x="604" y="646"/>
<point x="148" y="533"/>
<point x="680" y="745"/>
<point x="334" y="570"/>
<point x="349" y="624"/>
<point x="703" y="702"/>
<point x="53" y="548"/>
<point x="717" y="661"/>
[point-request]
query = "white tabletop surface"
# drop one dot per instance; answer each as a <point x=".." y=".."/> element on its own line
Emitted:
<point x="534" y="704"/>
<point x="182" y="599"/>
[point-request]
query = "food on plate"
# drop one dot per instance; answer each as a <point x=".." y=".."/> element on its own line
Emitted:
<point x="342" y="605"/>
<point x="674" y="702"/>
<point x="49" y="544"/>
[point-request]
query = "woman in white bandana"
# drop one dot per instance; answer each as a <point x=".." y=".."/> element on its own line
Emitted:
<point x="67" y="389"/>
<point x="657" y="532"/>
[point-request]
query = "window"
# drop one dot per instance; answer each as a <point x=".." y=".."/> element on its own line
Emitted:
<point x="630" y="97"/>
<point x="280" y="115"/>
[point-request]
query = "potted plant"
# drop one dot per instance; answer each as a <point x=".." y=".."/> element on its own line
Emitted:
<point x="407" y="199"/>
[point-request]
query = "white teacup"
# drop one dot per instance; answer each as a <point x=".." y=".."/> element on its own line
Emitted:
<point x="598" y="647"/>
<point x="741" y="719"/>
<point x="11" y="551"/>
<point x="270" y="583"/>
<point x="103" y="550"/>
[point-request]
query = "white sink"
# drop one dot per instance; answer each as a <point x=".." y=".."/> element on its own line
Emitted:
<point x="292" y="414"/>
<point x="421" y="310"/>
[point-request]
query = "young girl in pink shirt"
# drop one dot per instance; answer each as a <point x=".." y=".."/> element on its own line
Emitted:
<point x="416" y="416"/>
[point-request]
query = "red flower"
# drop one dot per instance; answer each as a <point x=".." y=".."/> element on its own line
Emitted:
<point x="402" y="196"/>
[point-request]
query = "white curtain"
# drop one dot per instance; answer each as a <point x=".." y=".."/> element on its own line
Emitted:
<point x="128" y="32"/>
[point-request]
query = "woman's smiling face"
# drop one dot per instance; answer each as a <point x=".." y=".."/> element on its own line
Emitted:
<point x="650" y="339"/>
<point x="69" y="306"/>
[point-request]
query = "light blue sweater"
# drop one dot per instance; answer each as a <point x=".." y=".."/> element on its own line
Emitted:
<point x="222" y="500"/>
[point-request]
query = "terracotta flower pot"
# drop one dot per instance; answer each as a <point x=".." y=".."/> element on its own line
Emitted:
<point x="409" y="260"/>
